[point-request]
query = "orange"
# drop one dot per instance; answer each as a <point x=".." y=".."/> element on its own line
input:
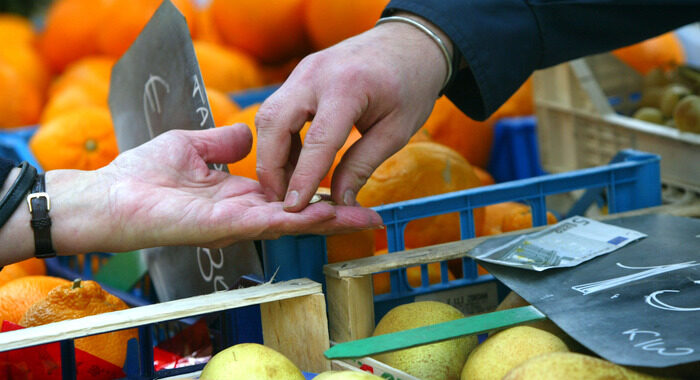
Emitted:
<point x="16" y="29"/>
<point x="246" y="166"/>
<point x="11" y="272"/>
<point x="222" y="107"/>
<point x="126" y="18"/>
<point x="20" y="100"/>
<point x="226" y="69"/>
<point x="278" y="72"/>
<point x="418" y="170"/>
<point x="92" y="72"/>
<point x="206" y="30"/>
<point x="494" y="214"/>
<point x="28" y="63"/>
<point x="70" y="31"/>
<point x="664" y="51"/>
<point x="352" y="138"/>
<point x="509" y="216"/>
<point x="329" y="22"/>
<point x="447" y="125"/>
<point x="350" y="246"/>
<point x="29" y="267"/>
<point x="32" y="266"/>
<point x="18" y="295"/>
<point x="82" y="138"/>
<point x="485" y="177"/>
<point x="271" y="31"/>
<point x="77" y="300"/>
<point x="519" y="218"/>
<point x="382" y="283"/>
<point x="69" y="99"/>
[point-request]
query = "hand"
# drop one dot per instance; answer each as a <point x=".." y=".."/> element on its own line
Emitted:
<point x="163" y="193"/>
<point x="384" y="81"/>
<point x="166" y="190"/>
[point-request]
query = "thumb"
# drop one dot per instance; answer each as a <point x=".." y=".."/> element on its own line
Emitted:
<point x="222" y="145"/>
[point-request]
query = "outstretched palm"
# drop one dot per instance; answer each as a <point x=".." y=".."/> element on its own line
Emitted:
<point x="163" y="193"/>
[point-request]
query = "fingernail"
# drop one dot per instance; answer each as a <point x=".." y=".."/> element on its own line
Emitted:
<point x="291" y="199"/>
<point x="349" y="198"/>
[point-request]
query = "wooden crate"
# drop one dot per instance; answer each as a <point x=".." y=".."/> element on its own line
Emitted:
<point x="293" y="317"/>
<point x="578" y="127"/>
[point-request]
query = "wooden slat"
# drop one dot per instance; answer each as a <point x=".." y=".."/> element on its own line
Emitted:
<point x="298" y="329"/>
<point x="458" y="249"/>
<point x="350" y="308"/>
<point x="165" y="311"/>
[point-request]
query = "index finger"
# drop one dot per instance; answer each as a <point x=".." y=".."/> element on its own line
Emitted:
<point x="279" y="118"/>
<point x="328" y="131"/>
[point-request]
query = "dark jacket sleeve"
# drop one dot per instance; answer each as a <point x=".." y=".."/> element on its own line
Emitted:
<point x="504" y="41"/>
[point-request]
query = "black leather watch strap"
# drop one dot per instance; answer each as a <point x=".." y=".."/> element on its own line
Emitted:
<point x="39" y="206"/>
<point x="12" y="199"/>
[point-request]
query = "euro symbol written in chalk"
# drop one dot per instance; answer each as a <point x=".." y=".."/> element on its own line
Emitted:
<point x="151" y="100"/>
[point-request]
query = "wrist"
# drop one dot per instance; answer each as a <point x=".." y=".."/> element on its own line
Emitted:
<point x="79" y="211"/>
<point x="434" y="28"/>
<point x="431" y="44"/>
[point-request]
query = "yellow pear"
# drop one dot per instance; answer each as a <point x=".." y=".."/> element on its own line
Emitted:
<point x="500" y="353"/>
<point x="438" y="361"/>
<point x="250" y="361"/>
<point x="346" y="375"/>
<point x="572" y="366"/>
<point x="514" y="300"/>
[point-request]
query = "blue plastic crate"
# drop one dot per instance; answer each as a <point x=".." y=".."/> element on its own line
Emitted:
<point x="515" y="153"/>
<point x="632" y="182"/>
<point x="14" y="145"/>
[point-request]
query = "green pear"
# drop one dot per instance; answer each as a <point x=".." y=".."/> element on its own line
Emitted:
<point x="250" y="361"/>
<point x="572" y="366"/>
<point x="686" y="115"/>
<point x="672" y="94"/>
<point x="435" y="361"/>
<point x="346" y="375"/>
<point x="649" y="114"/>
<point x="498" y="354"/>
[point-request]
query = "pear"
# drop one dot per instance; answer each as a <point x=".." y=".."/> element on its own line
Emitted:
<point x="346" y="375"/>
<point x="572" y="366"/>
<point x="671" y="95"/>
<point x="436" y="361"/>
<point x="686" y="115"/>
<point x="498" y="354"/>
<point x="513" y="300"/>
<point x="250" y="361"/>
<point x="649" y="114"/>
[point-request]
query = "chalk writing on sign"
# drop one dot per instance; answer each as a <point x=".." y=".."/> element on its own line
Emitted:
<point x="203" y="109"/>
<point x="593" y="287"/>
<point x="654" y="301"/>
<point x="151" y="100"/>
<point x="656" y="343"/>
<point x="207" y="265"/>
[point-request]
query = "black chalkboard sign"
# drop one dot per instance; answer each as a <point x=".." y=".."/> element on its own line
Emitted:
<point x="157" y="86"/>
<point x="638" y="306"/>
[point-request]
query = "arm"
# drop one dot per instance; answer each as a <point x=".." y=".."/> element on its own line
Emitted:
<point x="385" y="81"/>
<point x="162" y="193"/>
<point x="504" y="41"/>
